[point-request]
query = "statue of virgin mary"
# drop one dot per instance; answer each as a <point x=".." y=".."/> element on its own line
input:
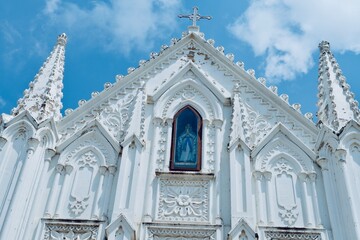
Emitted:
<point x="187" y="146"/>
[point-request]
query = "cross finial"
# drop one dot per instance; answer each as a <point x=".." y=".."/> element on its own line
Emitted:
<point x="194" y="17"/>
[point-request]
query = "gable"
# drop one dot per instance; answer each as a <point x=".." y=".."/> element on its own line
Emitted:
<point x="196" y="63"/>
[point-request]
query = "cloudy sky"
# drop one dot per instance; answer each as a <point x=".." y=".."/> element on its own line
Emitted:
<point x="277" y="38"/>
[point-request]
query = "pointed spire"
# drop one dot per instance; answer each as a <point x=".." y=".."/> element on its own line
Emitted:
<point x="237" y="116"/>
<point x="336" y="103"/>
<point x="43" y="97"/>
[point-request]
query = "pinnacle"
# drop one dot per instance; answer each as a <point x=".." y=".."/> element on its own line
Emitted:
<point x="324" y="46"/>
<point x="336" y="103"/>
<point x="62" y="39"/>
<point x="43" y="98"/>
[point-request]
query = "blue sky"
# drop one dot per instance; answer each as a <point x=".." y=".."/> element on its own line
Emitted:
<point x="277" y="38"/>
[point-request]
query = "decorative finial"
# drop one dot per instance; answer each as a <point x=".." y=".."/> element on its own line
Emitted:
<point x="194" y="17"/>
<point x="43" y="98"/>
<point x="62" y="39"/>
<point x="324" y="46"/>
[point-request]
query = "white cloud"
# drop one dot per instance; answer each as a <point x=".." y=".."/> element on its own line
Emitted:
<point x="2" y="102"/>
<point x="120" y="25"/>
<point x="287" y="32"/>
<point x="9" y="32"/>
<point x="51" y="6"/>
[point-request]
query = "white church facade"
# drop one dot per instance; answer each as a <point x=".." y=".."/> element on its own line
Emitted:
<point x="190" y="146"/>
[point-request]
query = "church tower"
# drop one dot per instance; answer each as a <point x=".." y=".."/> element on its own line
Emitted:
<point x="27" y="143"/>
<point x="338" y="146"/>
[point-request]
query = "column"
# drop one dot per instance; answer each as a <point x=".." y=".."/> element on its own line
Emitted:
<point x="217" y="158"/>
<point x="314" y="198"/>
<point x="12" y="203"/>
<point x="32" y="145"/>
<point x="60" y="205"/>
<point x="49" y="153"/>
<point x="95" y="211"/>
<point x="54" y="190"/>
<point x="236" y="183"/>
<point x="168" y="125"/>
<point x="259" y="213"/>
<point x="156" y="148"/>
<point x="303" y="178"/>
<point x="341" y="157"/>
<point x="330" y="198"/>
<point x="269" y="198"/>
<point x="111" y="172"/>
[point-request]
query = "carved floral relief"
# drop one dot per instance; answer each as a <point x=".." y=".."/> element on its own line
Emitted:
<point x="182" y="200"/>
<point x="285" y="192"/>
<point x="80" y="192"/>
<point x="62" y="231"/>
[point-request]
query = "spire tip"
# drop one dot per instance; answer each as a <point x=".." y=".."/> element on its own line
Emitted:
<point x="62" y="39"/>
<point x="324" y="46"/>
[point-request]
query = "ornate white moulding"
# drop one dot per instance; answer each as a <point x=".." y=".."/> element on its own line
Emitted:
<point x="188" y="174"/>
<point x="275" y="233"/>
<point x="174" y="231"/>
<point x="70" y="229"/>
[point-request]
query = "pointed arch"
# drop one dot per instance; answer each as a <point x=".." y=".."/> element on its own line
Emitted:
<point x="188" y="92"/>
<point x="186" y="143"/>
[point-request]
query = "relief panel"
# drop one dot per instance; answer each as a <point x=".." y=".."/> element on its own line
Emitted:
<point x="180" y="234"/>
<point x="277" y="235"/>
<point x="285" y="191"/>
<point x="183" y="200"/>
<point x="63" y="231"/>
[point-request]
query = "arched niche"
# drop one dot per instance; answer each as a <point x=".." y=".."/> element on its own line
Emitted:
<point x="284" y="175"/>
<point x="93" y="139"/>
<point x="189" y="92"/>
<point x="186" y="143"/>
<point x="281" y="145"/>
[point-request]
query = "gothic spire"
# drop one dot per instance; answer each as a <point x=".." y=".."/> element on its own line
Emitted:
<point x="43" y="97"/>
<point x="336" y="103"/>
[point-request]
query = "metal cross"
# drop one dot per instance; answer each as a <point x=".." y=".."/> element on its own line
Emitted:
<point x="195" y="16"/>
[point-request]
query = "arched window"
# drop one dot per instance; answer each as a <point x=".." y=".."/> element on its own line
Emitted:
<point x="186" y="140"/>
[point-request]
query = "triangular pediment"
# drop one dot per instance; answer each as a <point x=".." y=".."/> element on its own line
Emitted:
<point x="196" y="62"/>
<point x="242" y="230"/>
<point x="281" y="132"/>
<point x="91" y="126"/>
<point x="120" y="228"/>
<point x="191" y="74"/>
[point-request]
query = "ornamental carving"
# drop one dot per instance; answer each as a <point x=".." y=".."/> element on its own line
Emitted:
<point x="87" y="164"/>
<point x="182" y="200"/>
<point x="274" y="235"/>
<point x="256" y="126"/>
<point x="237" y="117"/>
<point x="280" y="147"/>
<point x="69" y="236"/>
<point x="262" y="112"/>
<point x="62" y="231"/>
<point x="285" y="192"/>
<point x="355" y="148"/>
<point x="116" y="116"/>
<point x="92" y="142"/>
<point x="115" y="113"/>
<point x="161" y="152"/>
<point x="210" y="149"/>
<point x="188" y="91"/>
<point x="87" y="158"/>
<point x="180" y="234"/>
<point x="77" y="206"/>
